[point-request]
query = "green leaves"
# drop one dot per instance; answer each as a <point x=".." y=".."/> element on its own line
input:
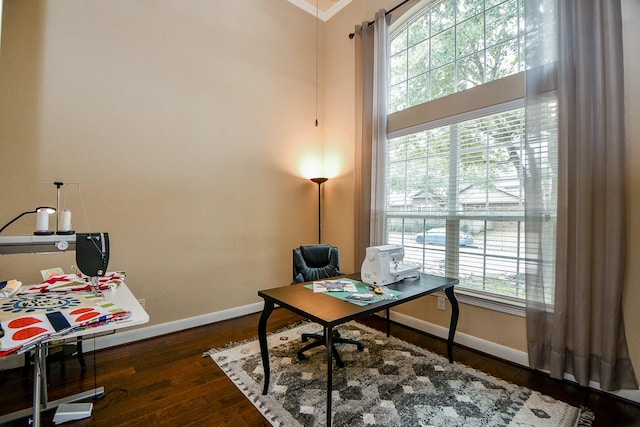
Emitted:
<point x="454" y="45"/>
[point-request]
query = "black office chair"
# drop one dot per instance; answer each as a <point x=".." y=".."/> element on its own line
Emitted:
<point x="319" y="262"/>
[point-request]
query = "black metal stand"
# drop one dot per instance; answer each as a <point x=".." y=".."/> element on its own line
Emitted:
<point x="319" y="181"/>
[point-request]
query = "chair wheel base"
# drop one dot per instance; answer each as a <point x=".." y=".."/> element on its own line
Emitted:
<point x="319" y="340"/>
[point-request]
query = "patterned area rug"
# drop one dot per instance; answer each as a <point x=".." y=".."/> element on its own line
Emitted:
<point x="390" y="383"/>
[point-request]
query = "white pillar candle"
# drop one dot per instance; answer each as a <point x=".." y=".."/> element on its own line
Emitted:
<point x="42" y="221"/>
<point x="65" y="224"/>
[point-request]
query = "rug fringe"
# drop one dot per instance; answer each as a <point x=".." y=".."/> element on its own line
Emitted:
<point x="213" y="351"/>
<point x="586" y="418"/>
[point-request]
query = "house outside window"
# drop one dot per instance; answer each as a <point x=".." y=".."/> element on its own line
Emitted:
<point x="455" y="154"/>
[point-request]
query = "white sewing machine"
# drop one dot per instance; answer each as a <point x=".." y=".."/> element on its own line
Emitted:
<point x="383" y="265"/>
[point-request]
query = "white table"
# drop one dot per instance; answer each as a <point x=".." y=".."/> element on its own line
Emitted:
<point x="124" y="299"/>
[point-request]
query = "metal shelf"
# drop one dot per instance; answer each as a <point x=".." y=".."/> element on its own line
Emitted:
<point x="37" y="244"/>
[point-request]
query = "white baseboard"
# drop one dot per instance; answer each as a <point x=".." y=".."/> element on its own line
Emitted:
<point x="125" y="336"/>
<point x="11" y="361"/>
<point x="493" y="349"/>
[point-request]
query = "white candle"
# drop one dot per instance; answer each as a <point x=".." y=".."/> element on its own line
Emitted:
<point x="66" y="220"/>
<point x="42" y="221"/>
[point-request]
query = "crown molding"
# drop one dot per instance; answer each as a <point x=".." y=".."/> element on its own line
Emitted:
<point x="323" y="15"/>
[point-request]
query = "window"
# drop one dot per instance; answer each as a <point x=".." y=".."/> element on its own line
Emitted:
<point x="455" y="182"/>
<point x="451" y="46"/>
<point x="455" y="200"/>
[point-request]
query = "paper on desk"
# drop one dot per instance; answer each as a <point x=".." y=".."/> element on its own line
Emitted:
<point x="334" y="286"/>
<point x="361" y="297"/>
<point x="9" y="287"/>
<point x="50" y="272"/>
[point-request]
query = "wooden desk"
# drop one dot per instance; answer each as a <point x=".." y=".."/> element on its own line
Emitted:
<point x="331" y="312"/>
<point x="123" y="298"/>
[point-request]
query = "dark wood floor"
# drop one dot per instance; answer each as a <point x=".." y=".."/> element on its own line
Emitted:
<point x="166" y="381"/>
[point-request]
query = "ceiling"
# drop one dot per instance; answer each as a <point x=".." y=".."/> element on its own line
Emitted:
<point x="325" y="8"/>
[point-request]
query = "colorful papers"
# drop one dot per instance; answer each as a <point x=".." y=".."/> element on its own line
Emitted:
<point x="355" y="292"/>
<point x="30" y="319"/>
<point x="334" y="286"/>
<point x="50" y="272"/>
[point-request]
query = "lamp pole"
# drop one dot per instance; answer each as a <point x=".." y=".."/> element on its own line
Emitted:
<point x="319" y="181"/>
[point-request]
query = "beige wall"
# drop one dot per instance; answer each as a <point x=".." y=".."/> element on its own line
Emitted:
<point x="186" y="125"/>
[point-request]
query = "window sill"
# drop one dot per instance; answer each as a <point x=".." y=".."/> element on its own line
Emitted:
<point x="513" y="306"/>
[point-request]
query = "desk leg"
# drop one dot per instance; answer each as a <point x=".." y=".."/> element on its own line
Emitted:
<point x="40" y="395"/>
<point x="328" y="333"/>
<point x="262" y="338"/>
<point x="455" y="312"/>
<point x="39" y="373"/>
<point x="388" y="323"/>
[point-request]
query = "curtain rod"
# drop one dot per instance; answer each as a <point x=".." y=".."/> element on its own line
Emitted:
<point x="370" y="23"/>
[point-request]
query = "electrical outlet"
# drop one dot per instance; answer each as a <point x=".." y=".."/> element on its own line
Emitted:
<point x="141" y="301"/>
<point x="440" y="303"/>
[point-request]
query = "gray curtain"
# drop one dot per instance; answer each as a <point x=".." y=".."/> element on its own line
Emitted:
<point x="362" y="168"/>
<point x="379" y="132"/>
<point x="371" y="131"/>
<point x="574" y="294"/>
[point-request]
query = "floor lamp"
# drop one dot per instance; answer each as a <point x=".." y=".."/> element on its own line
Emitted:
<point x="319" y="181"/>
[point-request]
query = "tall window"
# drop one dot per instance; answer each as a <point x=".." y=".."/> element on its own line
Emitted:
<point x="455" y="182"/>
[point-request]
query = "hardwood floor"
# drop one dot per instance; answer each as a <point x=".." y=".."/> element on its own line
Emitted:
<point x="166" y="381"/>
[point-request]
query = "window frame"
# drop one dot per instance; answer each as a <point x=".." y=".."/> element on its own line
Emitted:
<point x="489" y="300"/>
<point x="482" y="100"/>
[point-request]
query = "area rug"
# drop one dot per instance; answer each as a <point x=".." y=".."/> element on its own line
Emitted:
<point x="390" y="383"/>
